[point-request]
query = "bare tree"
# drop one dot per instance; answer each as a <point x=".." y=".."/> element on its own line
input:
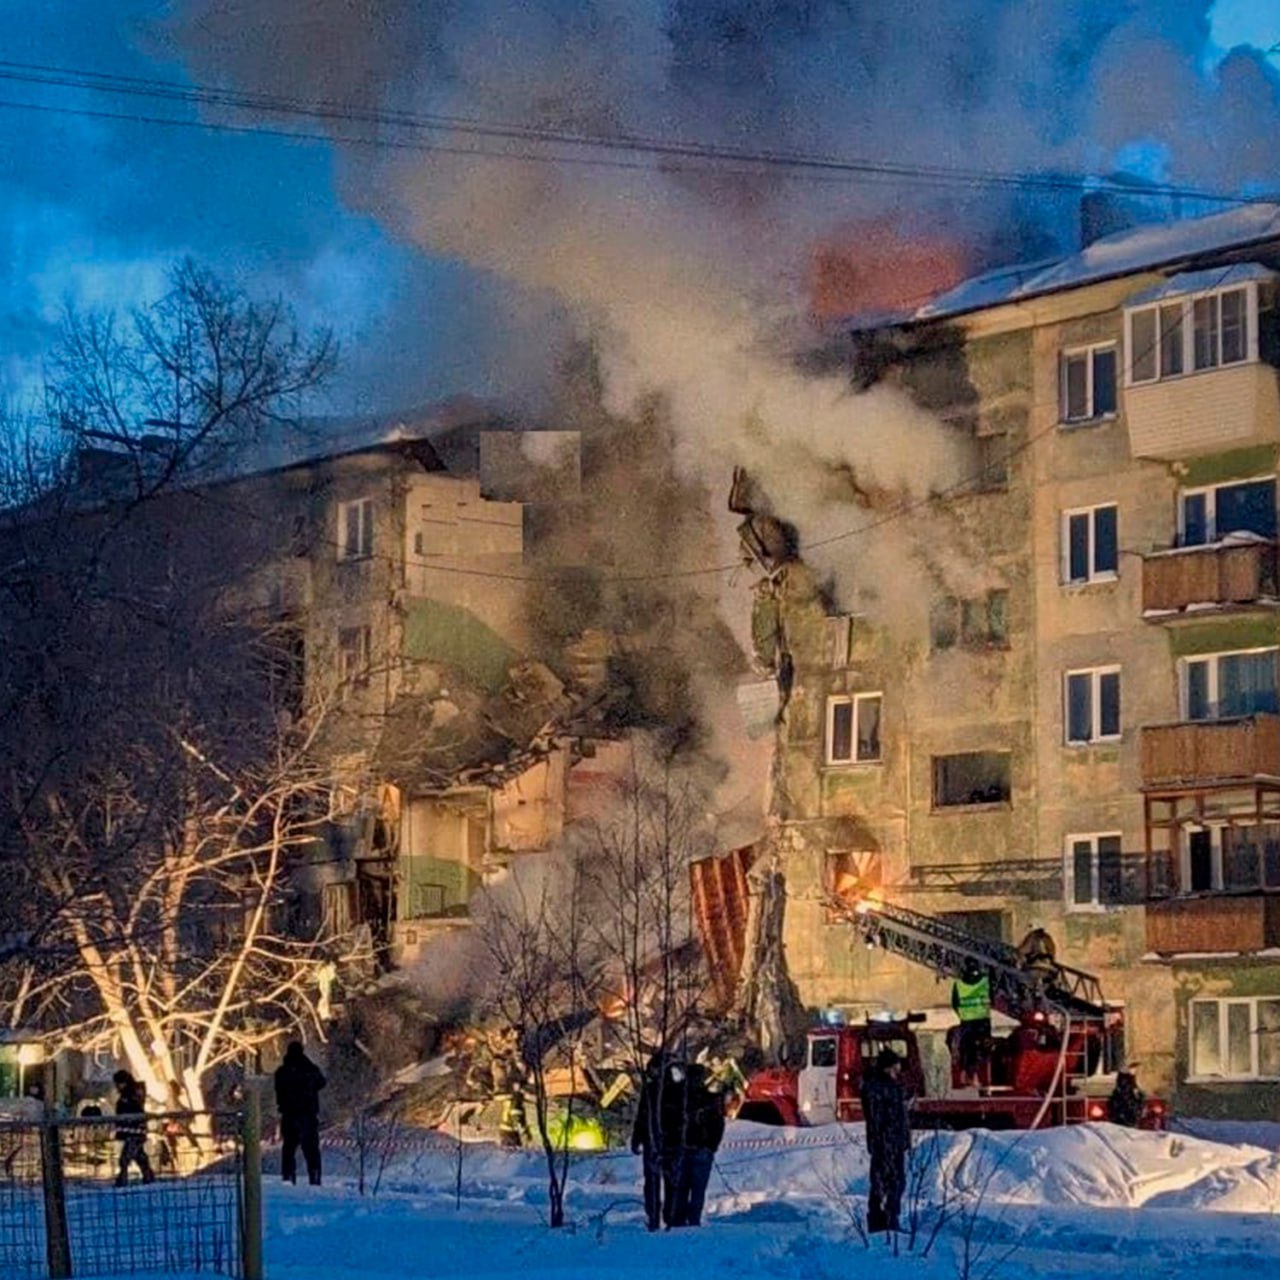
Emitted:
<point x="637" y="858"/>
<point x="533" y="929"/>
<point x="156" y="773"/>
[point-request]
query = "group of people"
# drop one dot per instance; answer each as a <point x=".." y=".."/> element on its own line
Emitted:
<point x="298" y="1082"/>
<point x="678" y="1129"/>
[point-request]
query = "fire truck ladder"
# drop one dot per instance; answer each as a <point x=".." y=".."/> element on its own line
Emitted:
<point x="1016" y="991"/>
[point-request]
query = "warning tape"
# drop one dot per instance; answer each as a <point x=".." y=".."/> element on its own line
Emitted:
<point x="435" y="1141"/>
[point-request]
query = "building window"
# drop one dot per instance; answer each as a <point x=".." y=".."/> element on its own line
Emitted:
<point x="1236" y="1039"/>
<point x="1094" y="876"/>
<point x="1090" y="545"/>
<point x="355" y="647"/>
<point x="1191" y="334"/>
<point x="355" y="529"/>
<point x="979" y="623"/>
<point x="1092" y="705"/>
<point x="1226" y="686"/>
<point x="853" y="729"/>
<point x="1088" y="383"/>
<point x="1209" y="515"/>
<point x="972" y="778"/>
<point x="1233" y="858"/>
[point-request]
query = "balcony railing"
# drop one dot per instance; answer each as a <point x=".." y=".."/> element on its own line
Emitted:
<point x="1210" y="751"/>
<point x="1226" y="575"/>
<point x="1227" y="923"/>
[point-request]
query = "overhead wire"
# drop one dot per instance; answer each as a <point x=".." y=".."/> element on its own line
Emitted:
<point x="791" y="161"/>
<point x="204" y="95"/>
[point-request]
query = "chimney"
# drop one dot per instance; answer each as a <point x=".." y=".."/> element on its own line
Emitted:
<point x="1103" y="214"/>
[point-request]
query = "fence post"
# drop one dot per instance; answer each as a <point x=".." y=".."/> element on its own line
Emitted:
<point x="251" y="1218"/>
<point x="56" y="1235"/>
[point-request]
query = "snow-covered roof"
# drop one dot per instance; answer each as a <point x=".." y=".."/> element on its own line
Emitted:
<point x="1201" y="281"/>
<point x="318" y="440"/>
<point x="1144" y="248"/>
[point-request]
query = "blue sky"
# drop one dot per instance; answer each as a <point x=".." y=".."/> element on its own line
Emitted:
<point x="96" y="210"/>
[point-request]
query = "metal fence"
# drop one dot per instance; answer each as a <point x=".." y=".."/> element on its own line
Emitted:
<point x="69" y="1207"/>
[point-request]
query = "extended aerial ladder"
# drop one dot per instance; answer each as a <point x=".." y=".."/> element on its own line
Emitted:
<point x="1016" y="990"/>
<point x="1067" y="997"/>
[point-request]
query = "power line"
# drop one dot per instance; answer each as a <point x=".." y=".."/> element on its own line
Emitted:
<point x="793" y="163"/>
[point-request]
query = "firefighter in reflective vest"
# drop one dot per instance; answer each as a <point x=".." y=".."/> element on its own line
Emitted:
<point x="971" y="999"/>
<point x="513" y="1128"/>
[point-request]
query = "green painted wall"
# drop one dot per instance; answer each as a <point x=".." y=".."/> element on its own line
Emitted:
<point x="1224" y="635"/>
<point x="435" y="886"/>
<point x="1237" y="464"/>
<point x="435" y="632"/>
<point x="1236" y="1100"/>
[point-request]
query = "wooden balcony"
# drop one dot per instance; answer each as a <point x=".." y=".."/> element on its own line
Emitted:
<point x="1228" y="575"/>
<point x="1223" y="923"/>
<point x="1196" y="752"/>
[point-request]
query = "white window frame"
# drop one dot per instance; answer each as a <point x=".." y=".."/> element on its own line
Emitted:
<point x="1095" y="903"/>
<point x="1210" y="491"/>
<point x="1216" y="877"/>
<point x="1187" y="301"/>
<point x="1093" y="574"/>
<point x="1087" y="353"/>
<point x="1213" y="660"/>
<point x="852" y="699"/>
<point x="1095" y="675"/>
<point x="1224" y="1003"/>
<point x="363" y="511"/>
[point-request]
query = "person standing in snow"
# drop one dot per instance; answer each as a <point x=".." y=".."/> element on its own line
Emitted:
<point x="884" y="1108"/>
<point x="1126" y="1103"/>
<point x="298" y="1085"/>
<point x="704" y="1130"/>
<point x="659" y="1137"/>
<point x="131" y="1128"/>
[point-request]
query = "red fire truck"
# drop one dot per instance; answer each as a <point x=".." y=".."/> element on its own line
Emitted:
<point x="1043" y="1072"/>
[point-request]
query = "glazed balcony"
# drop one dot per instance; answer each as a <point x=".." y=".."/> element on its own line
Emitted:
<point x="1197" y="752"/>
<point x="1214" y="923"/>
<point x="1192" y="580"/>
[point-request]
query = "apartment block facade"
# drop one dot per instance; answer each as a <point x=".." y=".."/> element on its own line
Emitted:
<point x="400" y="581"/>
<point x="1082" y="729"/>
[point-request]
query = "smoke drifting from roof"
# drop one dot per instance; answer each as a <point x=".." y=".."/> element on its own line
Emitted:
<point x="685" y="274"/>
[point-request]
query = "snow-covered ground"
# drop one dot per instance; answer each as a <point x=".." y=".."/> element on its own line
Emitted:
<point x="1091" y="1201"/>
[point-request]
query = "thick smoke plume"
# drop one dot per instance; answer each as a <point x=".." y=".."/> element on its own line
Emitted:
<point x="690" y="277"/>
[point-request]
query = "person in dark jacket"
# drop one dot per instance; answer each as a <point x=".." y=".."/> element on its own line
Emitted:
<point x="658" y="1136"/>
<point x="298" y="1085"/>
<point x="884" y="1108"/>
<point x="704" y="1130"/>
<point x="1127" y="1101"/>
<point x="131" y="1128"/>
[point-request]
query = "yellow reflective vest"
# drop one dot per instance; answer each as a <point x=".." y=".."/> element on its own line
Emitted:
<point x="973" y="999"/>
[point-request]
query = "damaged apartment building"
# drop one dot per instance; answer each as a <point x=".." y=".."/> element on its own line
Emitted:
<point x="1083" y="730"/>
<point x="451" y="749"/>
<point x="392" y="561"/>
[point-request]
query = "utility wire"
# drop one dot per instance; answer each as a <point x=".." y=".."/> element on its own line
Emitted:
<point x="791" y="162"/>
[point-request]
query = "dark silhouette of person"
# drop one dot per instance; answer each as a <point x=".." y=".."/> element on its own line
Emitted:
<point x="298" y="1085"/>
<point x="704" y="1130"/>
<point x="658" y="1136"/>
<point x="1126" y="1103"/>
<point x="131" y="1128"/>
<point x="884" y="1108"/>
